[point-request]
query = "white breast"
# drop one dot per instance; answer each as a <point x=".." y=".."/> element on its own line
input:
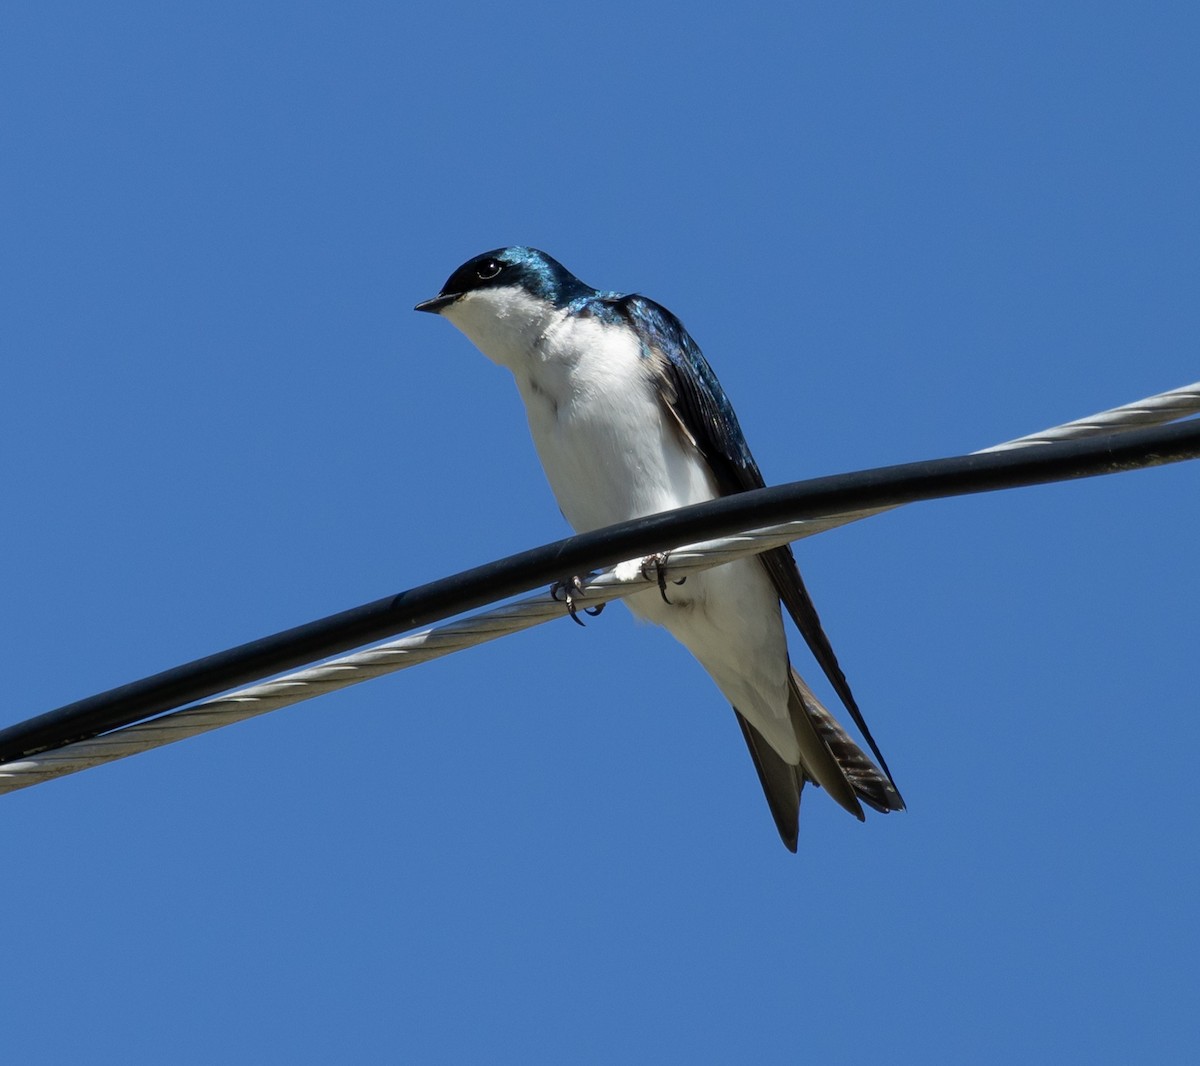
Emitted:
<point x="610" y="449"/>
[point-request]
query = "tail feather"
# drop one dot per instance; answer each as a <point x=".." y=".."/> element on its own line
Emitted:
<point x="828" y="758"/>
<point x="870" y="784"/>
<point x="818" y="761"/>
<point x="781" y="783"/>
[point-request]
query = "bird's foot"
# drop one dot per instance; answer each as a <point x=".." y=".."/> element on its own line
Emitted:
<point x="658" y="563"/>
<point x="568" y="591"/>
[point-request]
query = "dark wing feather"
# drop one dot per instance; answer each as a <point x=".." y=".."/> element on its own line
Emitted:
<point x="695" y="398"/>
<point x="785" y="574"/>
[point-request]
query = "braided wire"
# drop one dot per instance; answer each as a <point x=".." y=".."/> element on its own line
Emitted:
<point x="457" y="635"/>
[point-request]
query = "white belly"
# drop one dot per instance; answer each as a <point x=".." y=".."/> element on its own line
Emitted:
<point x="611" y="453"/>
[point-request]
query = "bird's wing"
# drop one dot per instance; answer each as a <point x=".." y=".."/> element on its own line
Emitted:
<point x="691" y="393"/>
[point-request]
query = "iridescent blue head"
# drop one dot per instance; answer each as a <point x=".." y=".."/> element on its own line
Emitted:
<point x="532" y="271"/>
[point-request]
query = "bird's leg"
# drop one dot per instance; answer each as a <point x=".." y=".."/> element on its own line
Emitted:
<point x="658" y="562"/>
<point x="567" y="591"/>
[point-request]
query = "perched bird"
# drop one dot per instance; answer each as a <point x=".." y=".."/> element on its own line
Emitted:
<point x="629" y="420"/>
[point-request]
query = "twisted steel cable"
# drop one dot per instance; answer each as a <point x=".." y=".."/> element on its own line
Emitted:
<point x="213" y="713"/>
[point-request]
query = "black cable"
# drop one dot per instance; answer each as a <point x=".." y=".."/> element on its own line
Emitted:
<point x="449" y="596"/>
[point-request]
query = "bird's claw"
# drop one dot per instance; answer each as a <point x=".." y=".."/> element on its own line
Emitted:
<point x="658" y="562"/>
<point x="568" y="591"/>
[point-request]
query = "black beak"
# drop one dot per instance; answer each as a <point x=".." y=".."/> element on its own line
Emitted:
<point x="435" y="305"/>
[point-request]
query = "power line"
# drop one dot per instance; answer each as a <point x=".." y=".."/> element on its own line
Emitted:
<point x="817" y="504"/>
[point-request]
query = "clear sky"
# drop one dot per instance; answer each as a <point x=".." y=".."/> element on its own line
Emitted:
<point x="897" y="231"/>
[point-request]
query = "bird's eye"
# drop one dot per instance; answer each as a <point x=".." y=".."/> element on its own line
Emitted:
<point x="488" y="269"/>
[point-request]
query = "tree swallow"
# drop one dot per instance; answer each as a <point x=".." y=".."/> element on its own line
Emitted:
<point x="629" y="420"/>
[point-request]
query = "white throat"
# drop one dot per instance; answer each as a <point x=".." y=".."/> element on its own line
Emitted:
<point x="506" y="324"/>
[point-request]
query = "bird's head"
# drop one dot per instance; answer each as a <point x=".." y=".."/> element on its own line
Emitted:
<point x="505" y="299"/>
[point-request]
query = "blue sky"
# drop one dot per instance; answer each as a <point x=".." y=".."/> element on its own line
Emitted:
<point x="897" y="231"/>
